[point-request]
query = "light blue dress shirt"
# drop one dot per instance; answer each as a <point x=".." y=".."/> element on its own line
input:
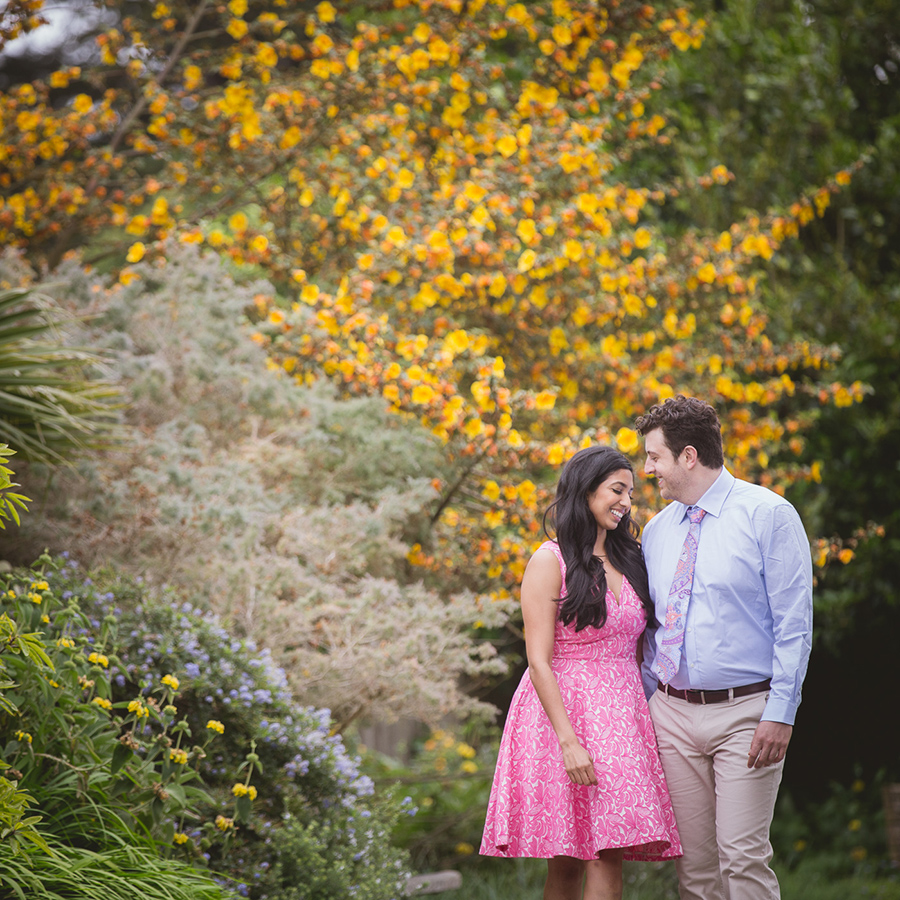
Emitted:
<point x="750" y="612"/>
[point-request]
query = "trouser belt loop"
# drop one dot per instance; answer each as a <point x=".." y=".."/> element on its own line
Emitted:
<point x="730" y="694"/>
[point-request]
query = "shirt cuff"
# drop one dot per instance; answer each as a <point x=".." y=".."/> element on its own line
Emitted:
<point x="779" y="711"/>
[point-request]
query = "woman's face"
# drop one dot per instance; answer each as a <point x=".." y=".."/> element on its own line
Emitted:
<point x="610" y="501"/>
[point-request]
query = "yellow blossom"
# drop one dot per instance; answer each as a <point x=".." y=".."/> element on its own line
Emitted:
<point x="627" y="440"/>
<point x="82" y="103"/>
<point x="707" y="273"/>
<point x="138" y="708"/>
<point x="223" y="823"/>
<point x="102" y="703"/>
<point x="507" y="145"/>
<point x="326" y="12"/>
<point x="180" y="837"/>
<point x="98" y="659"/>
<point x="170" y="681"/>
<point x="213" y="725"/>
<point x="545" y="400"/>
<point x="422" y="393"/>
<point x="237" y="28"/>
<point x="473" y="428"/>
<point x="556" y="454"/>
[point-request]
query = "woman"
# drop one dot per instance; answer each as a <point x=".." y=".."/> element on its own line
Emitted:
<point x="578" y="779"/>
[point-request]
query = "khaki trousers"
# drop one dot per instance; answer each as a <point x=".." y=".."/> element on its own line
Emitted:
<point x="722" y="808"/>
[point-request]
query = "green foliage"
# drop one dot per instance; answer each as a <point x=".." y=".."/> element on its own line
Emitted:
<point x="847" y="829"/>
<point x="15" y="827"/>
<point x="814" y="880"/>
<point x="108" y="783"/>
<point x="448" y="783"/>
<point x="125" y="872"/>
<point x="784" y="94"/>
<point x="324" y="860"/>
<point x="10" y="501"/>
<point x="158" y="733"/>
<point x="49" y="405"/>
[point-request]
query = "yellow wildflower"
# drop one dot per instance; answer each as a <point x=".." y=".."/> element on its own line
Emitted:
<point x="223" y="823"/>
<point x="138" y="708"/>
<point x="213" y="725"/>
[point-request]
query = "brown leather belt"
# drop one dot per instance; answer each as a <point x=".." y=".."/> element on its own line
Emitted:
<point x="714" y="696"/>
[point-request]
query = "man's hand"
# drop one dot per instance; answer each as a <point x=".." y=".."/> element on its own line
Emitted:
<point x="769" y="744"/>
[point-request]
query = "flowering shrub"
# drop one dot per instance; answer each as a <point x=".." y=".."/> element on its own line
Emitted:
<point x="154" y="726"/>
<point x="277" y="506"/>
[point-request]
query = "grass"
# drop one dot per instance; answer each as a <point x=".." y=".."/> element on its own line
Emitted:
<point x="523" y="879"/>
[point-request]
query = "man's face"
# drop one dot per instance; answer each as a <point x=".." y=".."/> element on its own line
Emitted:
<point x="670" y="473"/>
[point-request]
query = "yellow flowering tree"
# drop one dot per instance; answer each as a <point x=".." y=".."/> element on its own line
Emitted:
<point x="440" y="193"/>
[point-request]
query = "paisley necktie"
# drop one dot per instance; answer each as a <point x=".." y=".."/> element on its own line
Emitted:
<point x="668" y="657"/>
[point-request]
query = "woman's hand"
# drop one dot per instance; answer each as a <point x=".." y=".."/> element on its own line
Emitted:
<point x="578" y="763"/>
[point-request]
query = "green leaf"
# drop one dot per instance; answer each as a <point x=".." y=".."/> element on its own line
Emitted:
<point x="121" y="755"/>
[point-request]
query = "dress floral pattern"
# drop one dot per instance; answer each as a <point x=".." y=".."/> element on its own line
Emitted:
<point x="534" y="808"/>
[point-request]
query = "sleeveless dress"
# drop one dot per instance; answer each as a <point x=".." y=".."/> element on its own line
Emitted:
<point x="534" y="809"/>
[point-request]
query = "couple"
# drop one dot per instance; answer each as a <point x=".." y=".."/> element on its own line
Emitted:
<point x="725" y="569"/>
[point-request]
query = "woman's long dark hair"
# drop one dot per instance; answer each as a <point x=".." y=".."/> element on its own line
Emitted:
<point x="576" y="532"/>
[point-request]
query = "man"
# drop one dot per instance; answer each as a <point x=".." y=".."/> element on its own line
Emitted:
<point x="731" y="576"/>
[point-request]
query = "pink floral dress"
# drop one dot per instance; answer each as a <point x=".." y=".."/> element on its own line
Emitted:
<point x="534" y="809"/>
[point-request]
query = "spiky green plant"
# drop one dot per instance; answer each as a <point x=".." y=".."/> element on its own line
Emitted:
<point x="50" y="405"/>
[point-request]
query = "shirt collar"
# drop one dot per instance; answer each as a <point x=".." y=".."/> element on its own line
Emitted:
<point x="714" y="498"/>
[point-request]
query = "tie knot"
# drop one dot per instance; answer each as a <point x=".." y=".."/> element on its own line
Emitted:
<point x="695" y="514"/>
